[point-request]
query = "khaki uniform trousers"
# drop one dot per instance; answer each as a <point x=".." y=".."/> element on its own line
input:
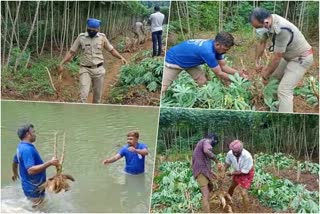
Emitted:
<point x="290" y="73"/>
<point x="94" y="76"/>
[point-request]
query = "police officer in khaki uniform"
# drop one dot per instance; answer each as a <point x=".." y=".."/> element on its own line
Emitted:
<point x="91" y="62"/>
<point x="292" y="53"/>
<point x="138" y="29"/>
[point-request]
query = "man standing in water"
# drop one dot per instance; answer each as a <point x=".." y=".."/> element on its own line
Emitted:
<point x="32" y="169"/>
<point x="201" y="167"/>
<point x="134" y="153"/>
<point x="242" y="163"/>
<point x="92" y="71"/>
<point x="156" y="28"/>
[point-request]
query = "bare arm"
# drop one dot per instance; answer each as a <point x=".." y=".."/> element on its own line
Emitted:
<point x="69" y="55"/>
<point x="15" y="175"/>
<point x="41" y="167"/>
<point x="226" y="166"/>
<point x="261" y="46"/>
<point x="207" y="149"/>
<point x="143" y="152"/>
<point x="112" y="159"/>
<point x="116" y="54"/>
<point x="227" y="69"/>
<point x="220" y="74"/>
<point x="269" y="69"/>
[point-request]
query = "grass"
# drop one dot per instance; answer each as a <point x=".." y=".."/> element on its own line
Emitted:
<point x="33" y="80"/>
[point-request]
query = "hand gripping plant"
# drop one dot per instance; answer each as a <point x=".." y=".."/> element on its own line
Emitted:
<point x="220" y="196"/>
<point x="59" y="181"/>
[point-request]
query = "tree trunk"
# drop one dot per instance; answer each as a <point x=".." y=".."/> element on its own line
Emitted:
<point x="45" y="29"/>
<point x="29" y="37"/>
<point x="13" y="30"/>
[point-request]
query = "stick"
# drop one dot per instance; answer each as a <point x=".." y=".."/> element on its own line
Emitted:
<point x="55" y="145"/>
<point x="51" y="80"/>
<point x="267" y="56"/>
<point x="63" y="145"/>
<point x="298" y="171"/>
<point x="242" y="64"/>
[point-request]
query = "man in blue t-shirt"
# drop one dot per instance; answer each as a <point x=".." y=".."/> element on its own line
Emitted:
<point x="32" y="169"/>
<point x="190" y="54"/>
<point x="134" y="153"/>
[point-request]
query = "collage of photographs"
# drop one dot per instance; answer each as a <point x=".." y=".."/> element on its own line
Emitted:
<point x="160" y="106"/>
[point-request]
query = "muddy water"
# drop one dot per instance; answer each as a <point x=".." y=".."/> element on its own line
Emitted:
<point x="92" y="133"/>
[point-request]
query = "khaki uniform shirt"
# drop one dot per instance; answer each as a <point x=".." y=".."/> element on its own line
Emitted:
<point x="91" y="48"/>
<point x="138" y="26"/>
<point x="297" y="47"/>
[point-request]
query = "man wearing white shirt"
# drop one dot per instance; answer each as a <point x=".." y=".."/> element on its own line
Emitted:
<point x="243" y="170"/>
<point x="156" y="28"/>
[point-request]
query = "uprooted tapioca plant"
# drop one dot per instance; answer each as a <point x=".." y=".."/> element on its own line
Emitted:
<point x="148" y="72"/>
<point x="184" y="92"/>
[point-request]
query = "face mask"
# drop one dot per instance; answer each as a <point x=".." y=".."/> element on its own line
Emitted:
<point x="92" y="33"/>
<point x="261" y="31"/>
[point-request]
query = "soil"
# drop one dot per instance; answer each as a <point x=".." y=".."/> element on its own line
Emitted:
<point x="309" y="180"/>
<point x="237" y="206"/>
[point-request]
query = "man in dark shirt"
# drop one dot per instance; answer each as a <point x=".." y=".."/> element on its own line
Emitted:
<point x="201" y="167"/>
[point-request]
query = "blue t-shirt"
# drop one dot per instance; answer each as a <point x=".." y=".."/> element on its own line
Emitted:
<point x="28" y="156"/>
<point x="134" y="161"/>
<point x="192" y="53"/>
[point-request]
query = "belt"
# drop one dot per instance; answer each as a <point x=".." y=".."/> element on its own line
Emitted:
<point x="307" y="53"/>
<point x="94" y="66"/>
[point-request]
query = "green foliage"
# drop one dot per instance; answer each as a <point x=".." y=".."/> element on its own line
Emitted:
<point x="311" y="85"/>
<point x="184" y="92"/>
<point x="121" y="45"/>
<point x="270" y="94"/>
<point x="282" y="194"/>
<point x="16" y="53"/>
<point x="175" y="180"/>
<point x="73" y="66"/>
<point x="175" y="183"/>
<point x="30" y="81"/>
<point x="148" y="72"/>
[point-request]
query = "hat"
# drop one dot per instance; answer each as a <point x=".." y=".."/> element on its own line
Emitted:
<point x="236" y="146"/>
<point x="93" y="23"/>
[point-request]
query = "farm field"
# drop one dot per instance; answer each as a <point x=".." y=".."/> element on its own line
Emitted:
<point x="251" y="93"/>
<point x="175" y="190"/>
